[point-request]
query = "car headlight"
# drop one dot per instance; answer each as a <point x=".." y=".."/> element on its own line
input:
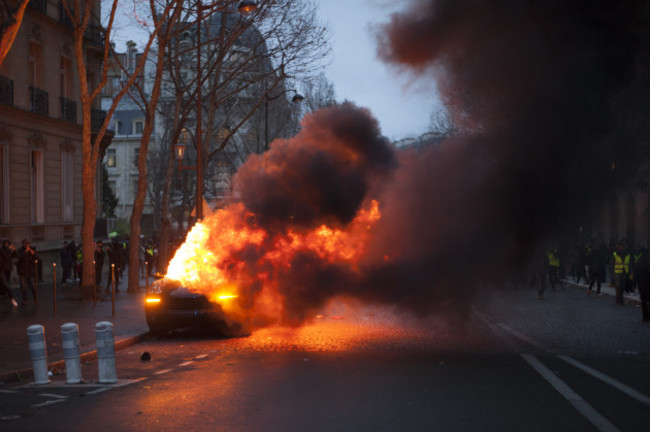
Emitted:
<point x="154" y="289"/>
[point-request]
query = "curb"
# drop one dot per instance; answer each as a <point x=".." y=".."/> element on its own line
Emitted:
<point x="27" y="373"/>
<point x="632" y="300"/>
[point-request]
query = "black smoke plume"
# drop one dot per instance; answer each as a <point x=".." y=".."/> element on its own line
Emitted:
<point x="551" y="100"/>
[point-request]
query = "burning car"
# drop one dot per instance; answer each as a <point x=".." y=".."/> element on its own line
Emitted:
<point x="170" y="305"/>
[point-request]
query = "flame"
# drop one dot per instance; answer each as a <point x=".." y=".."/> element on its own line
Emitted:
<point x="234" y="262"/>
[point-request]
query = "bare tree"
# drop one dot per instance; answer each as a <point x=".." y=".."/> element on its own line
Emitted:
<point x="92" y="68"/>
<point x="11" y="17"/>
<point x="319" y="92"/>
<point x="242" y="75"/>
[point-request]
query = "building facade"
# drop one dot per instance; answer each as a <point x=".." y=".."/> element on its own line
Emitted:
<point x="41" y="133"/>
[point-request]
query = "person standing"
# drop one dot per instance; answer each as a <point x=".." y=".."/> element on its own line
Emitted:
<point x="66" y="262"/>
<point x="115" y="265"/>
<point x="554" y="268"/>
<point x="597" y="264"/>
<point x="25" y="266"/>
<point x="4" y="282"/>
<point x="8" y="252"/>
<point x="621" y="271"/>
<point x="642" y="275"/>
<point x="100" y="255"/>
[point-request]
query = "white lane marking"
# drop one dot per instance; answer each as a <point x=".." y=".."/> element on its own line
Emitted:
<point x="522" y="336"/>
<point x="609" y="380"/>
<point x="99" y="390"/>
<point x="187" y="363"/>
<point x="7" y="391"/>
<point x="50" y="402"/>
<point x="201" y="356"/>
<point x="160" y="372"/>
<point x="598" y="420"/>
<point x="57" y="396"/>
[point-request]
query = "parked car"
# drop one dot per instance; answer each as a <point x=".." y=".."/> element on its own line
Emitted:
<point x="169" y="305"/>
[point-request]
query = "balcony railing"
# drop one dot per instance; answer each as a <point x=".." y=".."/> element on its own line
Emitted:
<point x="97" y="119"/>
<point x="39" y="5"/>
<point x="39" y="101"/>
<point x="95" y="36"/>
<point x="64" y="17"/>
<point x="68" y="110"/>
<point x="6" y="91"/>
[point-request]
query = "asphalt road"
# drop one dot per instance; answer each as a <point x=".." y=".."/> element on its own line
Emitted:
<point x="570" y="362"/>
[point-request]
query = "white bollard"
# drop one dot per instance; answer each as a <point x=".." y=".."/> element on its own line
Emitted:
<point x="70" y="338"/>
<point x="38" y="351"/>
<point x="105" y="352"/>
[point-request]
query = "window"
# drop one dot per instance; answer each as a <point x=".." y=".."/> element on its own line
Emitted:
<point x="35" y="64"/>
<point x="110" y="158"/>
<point x="118" y="127"/>
<point x="138" y="127"/>
<point x="65" y="80"/>
<point x="38" y="196"/>
<point x="136" y="155"/>
<point x="4" y="189"/>
<point x="67" y="186"/>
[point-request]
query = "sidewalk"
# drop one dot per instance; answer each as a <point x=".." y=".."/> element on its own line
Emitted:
<point x="129" y="324"/>
<point x="605" y="289"/>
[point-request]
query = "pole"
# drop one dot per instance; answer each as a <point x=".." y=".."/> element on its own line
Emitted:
<point x="54" y="289"/>
<point x="199" y="150"/>
<point x="36" y="280"/>
<point x="113" y="290"/>
<point x="94" y="283"/>
<point x="146" y="274"/>
<point x="266" y="123"/>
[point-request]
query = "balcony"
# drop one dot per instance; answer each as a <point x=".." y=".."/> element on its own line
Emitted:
<point x="6" y="91"/>
<point x="39" y="5"/>
<point x="64" y="18"/>
<point x="95" y="36"/>
<point x="68" y="110"/>
<point x="97" y="119"/>
<point x="39" y="101"/>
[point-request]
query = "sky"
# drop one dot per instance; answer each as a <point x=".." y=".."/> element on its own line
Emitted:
<point x="402" y="107"/>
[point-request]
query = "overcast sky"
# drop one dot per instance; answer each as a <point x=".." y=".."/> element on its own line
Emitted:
<point x="403" y="108"/>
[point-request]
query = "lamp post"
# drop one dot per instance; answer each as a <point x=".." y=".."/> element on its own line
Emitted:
<point x="297" y="97"/>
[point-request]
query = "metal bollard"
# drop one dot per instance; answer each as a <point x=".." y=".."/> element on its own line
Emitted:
<point x="70" y="338"/>
<point x="54" y="287"/>
<point x="105" y="352"/>
<point x="38" y="351"/>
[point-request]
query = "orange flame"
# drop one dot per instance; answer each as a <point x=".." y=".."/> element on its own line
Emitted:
<point x="211" y="261"/>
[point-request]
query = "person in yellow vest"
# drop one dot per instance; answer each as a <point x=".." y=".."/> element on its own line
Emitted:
<point x="554" y="268"/>
<point x="621" y="270"/>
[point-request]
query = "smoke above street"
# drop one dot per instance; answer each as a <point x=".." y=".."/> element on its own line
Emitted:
<point x="542" y="93"/>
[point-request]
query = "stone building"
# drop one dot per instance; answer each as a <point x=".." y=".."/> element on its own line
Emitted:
<point x="40" y="131"/>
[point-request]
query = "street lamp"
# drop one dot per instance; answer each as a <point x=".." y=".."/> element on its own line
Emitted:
<point x="247" y="7"/>
<point x="297" y="98"/>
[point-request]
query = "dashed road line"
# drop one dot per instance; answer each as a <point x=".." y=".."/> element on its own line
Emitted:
<point x="608" y="380"/>
<point x="523" y="337"/>
<point x="161" y="372"/>
<point x="598" y="420"/>
<point x="187" y="363"/>
<point x="53" y="395"/>
<point x="49" y="402"/>
<point x="8" y="391"/>
<point x="200" y="356"/>
<point x="99" y="390"/>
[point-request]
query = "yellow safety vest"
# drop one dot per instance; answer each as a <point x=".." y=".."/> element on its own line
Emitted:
<point x="553" y="261"/>
<point x="621" y="264"/>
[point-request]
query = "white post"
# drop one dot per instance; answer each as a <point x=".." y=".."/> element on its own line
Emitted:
<point x="105" y="352"/>
<point x="38" y="351"/>
<point x="70" y="337"/>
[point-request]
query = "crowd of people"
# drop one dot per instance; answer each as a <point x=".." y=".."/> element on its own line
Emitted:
<point x="110" y="261"/>
<point x="594" y="264"/>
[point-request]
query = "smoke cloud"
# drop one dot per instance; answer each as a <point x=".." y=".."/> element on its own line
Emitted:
<point x="548" y="96"/>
